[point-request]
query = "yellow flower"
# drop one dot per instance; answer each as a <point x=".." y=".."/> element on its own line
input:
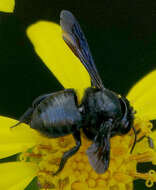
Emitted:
<point x="40" y="156"/>
<point x="7" y="5"/>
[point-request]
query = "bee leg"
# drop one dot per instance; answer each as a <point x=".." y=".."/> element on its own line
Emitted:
<point x="150" y="142"/>
<point x="25" y="118"/>
<point x="39" y="99"/>
<point x="71" y="152"/>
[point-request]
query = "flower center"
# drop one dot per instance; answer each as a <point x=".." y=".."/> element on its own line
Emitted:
<point x="78" y="173"/>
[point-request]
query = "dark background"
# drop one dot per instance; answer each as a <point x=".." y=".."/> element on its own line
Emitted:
<point x="121" y="35"/>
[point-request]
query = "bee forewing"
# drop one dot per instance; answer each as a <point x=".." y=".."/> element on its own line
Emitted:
<point x="66" y="22"/>
<point x="75" y="39"/>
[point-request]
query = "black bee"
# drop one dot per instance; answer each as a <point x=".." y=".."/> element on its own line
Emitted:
<point x="101" y="113"/>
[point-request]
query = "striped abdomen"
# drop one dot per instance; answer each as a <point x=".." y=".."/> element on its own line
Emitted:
<point x="57" y="115"/>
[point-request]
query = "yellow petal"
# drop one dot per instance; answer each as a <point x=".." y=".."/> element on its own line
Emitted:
<point x="143" y="96"/>
<point x="16" y="175"/>
<point x="7" y="5"/>
<point x="15" y="140"/>
<point x="49" y="45"/>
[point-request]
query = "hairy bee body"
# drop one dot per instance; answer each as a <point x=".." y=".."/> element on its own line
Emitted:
<point x="99" y="106"/>
<point x="59" y="114"/>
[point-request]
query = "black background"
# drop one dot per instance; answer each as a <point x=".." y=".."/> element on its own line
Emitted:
<point x="121" y="35"/>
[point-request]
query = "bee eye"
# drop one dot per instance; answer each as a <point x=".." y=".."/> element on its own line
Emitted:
<point x="127" y="118"/>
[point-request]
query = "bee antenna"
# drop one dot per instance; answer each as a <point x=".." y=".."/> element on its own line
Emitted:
<point x="25" y="118"/>
<point x="135" y="140"/>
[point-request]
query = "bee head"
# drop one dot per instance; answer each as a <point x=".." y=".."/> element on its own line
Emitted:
<point x="127" y="119"/>
<point x="126" y="123"/>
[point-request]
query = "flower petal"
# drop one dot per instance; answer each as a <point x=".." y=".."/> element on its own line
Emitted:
<point x="15" y="140"/>
<point x="143" y="96"/>
<point x="49" y="45"/>
<point x="16" y="175"/>
<point x="7" y="5"/>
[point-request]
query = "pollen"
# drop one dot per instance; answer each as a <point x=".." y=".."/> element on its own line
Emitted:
<point x="78" y="173"/>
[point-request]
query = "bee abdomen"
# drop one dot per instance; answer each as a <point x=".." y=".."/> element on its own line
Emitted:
<point x="57" y="115"/>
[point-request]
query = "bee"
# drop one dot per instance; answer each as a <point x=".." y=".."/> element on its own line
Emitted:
<point x="101" y="114"/>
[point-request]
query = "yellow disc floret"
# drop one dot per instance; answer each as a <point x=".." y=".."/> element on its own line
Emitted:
<point x="78" y="173"/>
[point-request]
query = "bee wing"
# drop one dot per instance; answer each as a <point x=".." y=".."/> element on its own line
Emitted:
<point x="75" y="39"/>
<point x="99" y="154"/>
